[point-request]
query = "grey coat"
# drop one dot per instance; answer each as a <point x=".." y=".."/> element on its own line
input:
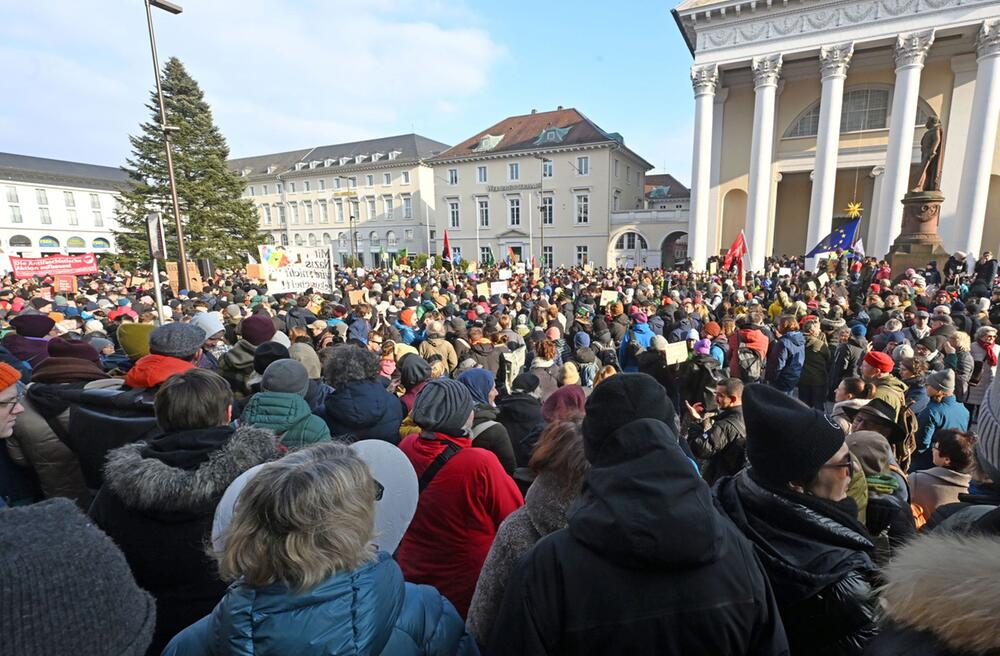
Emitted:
<point x="544" y="511"/>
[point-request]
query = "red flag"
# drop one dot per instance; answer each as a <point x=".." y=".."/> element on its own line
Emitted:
<point x="446" y="253"/>
<point x="735" y="254"/>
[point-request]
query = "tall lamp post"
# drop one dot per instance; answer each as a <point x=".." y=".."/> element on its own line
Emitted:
<point x="541" y="208"/>
<point x="182" y="269"/>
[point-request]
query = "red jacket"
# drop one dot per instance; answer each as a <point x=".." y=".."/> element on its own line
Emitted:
<point x="753" y="338"/>
<point x="457" y="517"/>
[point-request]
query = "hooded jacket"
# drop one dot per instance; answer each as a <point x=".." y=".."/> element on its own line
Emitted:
<point x="488" y="433"/>
<point x="646" y="566"/>
<point x="643" y="335"/>
<point x="369" y="610"/>
<point x="236" y="366"/>
<point x="288" y="415"/>
<point x="785" y="361"/>
<point x="519" y="413"/>
<point x="752" y="337"/>
<point x="820" y="567"/>
<point x="157" y="503"/>
<point x="816" y="365"/>
<point x="363" y="409"/>
<point x="439" y="346"/>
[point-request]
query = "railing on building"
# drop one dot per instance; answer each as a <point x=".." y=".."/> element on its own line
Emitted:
<point x="678" y="216"/>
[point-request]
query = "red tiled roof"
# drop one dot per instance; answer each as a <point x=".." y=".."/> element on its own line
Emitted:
<point x="677" y="190"/>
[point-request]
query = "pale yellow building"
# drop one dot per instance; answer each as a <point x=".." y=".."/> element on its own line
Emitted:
<point x="542" y="185"/>
<point x="803" y="107"/>
<point x="379" y="190"/>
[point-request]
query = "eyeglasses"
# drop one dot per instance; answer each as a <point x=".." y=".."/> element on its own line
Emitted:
<point x="847" y="464"/>
<point x="17" y="399"/>
<point x="379" y="490"/>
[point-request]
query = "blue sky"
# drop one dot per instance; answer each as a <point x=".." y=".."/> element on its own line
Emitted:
<point x="281" y="75"/>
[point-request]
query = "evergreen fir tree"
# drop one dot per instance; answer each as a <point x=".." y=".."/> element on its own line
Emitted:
<point x="218" y="223"/>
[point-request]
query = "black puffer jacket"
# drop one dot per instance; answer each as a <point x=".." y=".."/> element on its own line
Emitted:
<point x="646" y="566"/>
<point x="722" y="447"/>
<point x="488" y="433"/>
<point x="520" y="414"/>
<point x="817" y="558"/>
<point x="846" y="359"/>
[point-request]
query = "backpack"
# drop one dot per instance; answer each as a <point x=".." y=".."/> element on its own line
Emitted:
<point x="749" y="362"/>
<point x="633" y="348"/>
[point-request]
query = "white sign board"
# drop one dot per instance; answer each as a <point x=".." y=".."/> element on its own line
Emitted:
<point x="784" y="271"/>
<point x="296" y="268"/>
<point x="504" y="274"/>
<point x="498" y="287"/>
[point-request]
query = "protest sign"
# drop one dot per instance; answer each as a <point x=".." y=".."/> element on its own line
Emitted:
<point x="784" y="271"/>
<point x="52" y="265"/>
<point x="713" y="268"/>
<point x="676" y="353"/>
<point x="608" y="297"/>
<point x="482" y="289"/>
<point x="504" y="274"/>
<point x="297" y="268"/>
<point x="498" y="287"/>
<point x="519" y="268"/>
<point x="64" y="284"/>
<point x="811" y="285"/>
<point x="194" y="278"/>
<point x="822" y="279"/>
<point x="356" y="296"/>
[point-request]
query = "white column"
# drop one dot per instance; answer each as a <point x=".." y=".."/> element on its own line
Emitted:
<point x="979" y="152"/>
<point x="766" y="71"/>
<point x="704" y="79"/>
<point x="878" y="175"/>
<point x="714" y="211"/>
<point x="911" y="49"/>
<point x="833" y="63"/>
<point x="956" y="141"/>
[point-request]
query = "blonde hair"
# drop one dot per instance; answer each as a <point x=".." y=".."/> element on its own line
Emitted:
<point x="962" y="341"/>
<point x="607" y="371"/>
<point x="302" y="519"/>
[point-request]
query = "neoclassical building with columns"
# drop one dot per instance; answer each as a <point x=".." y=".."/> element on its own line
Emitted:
<point x="803" y="107"/>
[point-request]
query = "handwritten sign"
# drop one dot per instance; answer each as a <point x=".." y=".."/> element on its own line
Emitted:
<point x="608" y="297"/>
<point x="676" y="353"/>
<point x="498" y="287"/>
<point x="356" y="296"/>
<point x="504" y="274"/>
<point x="296" y="268"/>
<point x="482" y="289"/>
<point x="822" y="279"/>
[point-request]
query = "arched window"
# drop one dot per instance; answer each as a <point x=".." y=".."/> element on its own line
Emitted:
<point x="312" y="239"/>
<point x="864" y="108"/>
<point x="327" y="239"/>
<point x="76" y="242"/>
<point x="284" y="239"/>
<point x="630" y="241"/>
<point x="269" y="238"/>
<point x="341" y="240"/>
<point x="48" y="241"/>
<point x="373" y="240"/>
<point x="299" y="240"/>
<point x="101" y="244"/>
<point x="391" y="239"/>
<point x="20" y="241"/>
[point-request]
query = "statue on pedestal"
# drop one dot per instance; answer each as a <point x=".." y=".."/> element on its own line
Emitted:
<point x="929" y="175"/>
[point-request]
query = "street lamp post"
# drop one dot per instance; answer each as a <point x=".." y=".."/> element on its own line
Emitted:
<point x="182" y="269"/>
<point x="541" y="208"/>
<point x="354" y="241"/>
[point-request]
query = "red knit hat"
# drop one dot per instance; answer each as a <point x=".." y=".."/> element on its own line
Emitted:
<point x="881" y="361"/>
<point x="8" y="375"/>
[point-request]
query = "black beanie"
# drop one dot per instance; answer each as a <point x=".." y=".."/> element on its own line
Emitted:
<point x="620" y="400"/>
<point x="786" y="439"/>
<point x="267" y="353"/>
<point x="413" y="370"/>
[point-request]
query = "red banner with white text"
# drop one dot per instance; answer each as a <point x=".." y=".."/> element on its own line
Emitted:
<point x="54" y="265"/>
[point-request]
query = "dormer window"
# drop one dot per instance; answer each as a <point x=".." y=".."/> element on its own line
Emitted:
<point x="393" y="154"/>
<point x="299" y="166"/>
<point x="344" y="160"/>
<point x="245" y="172"/>
<point x="313" y="164"/>
<point x="552" y="135"/>
<point x="487" y="143"/>
<point x="328" y="162"/>
<point x="270" y="169"/>
<point x="376" y="157"/>
<point x="359" y="158"/>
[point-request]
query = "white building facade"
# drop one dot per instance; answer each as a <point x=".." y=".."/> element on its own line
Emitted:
<point x="53" y="206"/>
<point x="804" y="108"/>
<point x="379" y="191"/>
<point x="543" y="185"/>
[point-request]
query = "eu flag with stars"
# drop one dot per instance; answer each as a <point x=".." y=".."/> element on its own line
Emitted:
<point x="842" y="237"/>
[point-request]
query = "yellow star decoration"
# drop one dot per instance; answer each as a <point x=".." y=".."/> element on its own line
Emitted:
<point x="853" y="209"/>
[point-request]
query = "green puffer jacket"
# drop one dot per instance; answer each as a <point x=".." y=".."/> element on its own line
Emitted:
<point x="289" y="416"/>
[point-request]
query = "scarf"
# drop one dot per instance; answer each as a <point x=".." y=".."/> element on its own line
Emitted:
<point x="991" y="354"/>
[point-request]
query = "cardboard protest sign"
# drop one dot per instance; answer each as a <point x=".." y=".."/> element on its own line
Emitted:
<point x="504" y="274"/>
<point x="356" y="296"/>
<point x="822" y="279"/>
<point x="482" y="289"/>
<point x="194" y="278"/>
<point x="676" y="353"/>
<point x="498" y="287"/>
<point x="608" y="297"/>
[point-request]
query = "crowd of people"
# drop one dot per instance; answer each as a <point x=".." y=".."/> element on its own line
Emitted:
<point x="594" y="461"/>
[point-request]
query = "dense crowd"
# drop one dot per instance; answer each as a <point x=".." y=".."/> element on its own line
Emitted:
<point x="592" y="461"/>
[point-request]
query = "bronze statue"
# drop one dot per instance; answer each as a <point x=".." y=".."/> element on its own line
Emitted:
<point x="929" y="174"/>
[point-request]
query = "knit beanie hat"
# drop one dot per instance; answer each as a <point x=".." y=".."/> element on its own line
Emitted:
<point x="658" y="343"/>
<point x="285" y="376"/>
<point x="620" y="400"/>
<point x="525" y="383"/>
<point x="257" y="329"/>
<point x="639" y="317"/>
<point x="569" y="374"/>
<point x="943" y="381"/>
<point x="99" y="343"/>
<point x="581" y="340"/>
<point x="60" y="347"/>
<point x="177" y="340"/>
<point x="703" y="347"/>
<point x="308" y="357"/>
<point x="713" y="329"/>
<point x="267" y="353"/>
<point x="443" y="406"/>
<point x="859" y="330"/>
<point x="93" y="326"/>
<point x="786" y="439"/>
<point x="880" y="361"/>
<point x="8" y="375"/>
<point x="210" y="322"/>
<point x="66" y="588"/>
<point x="134" y="339"/>
<point x="413" y="370"/>
<point x="566" y="403"/>
<point x="480" y="383"/>
<point x="32" y="325"/>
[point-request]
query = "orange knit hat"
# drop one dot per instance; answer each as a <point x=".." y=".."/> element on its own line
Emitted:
<point x="8" y="375"/>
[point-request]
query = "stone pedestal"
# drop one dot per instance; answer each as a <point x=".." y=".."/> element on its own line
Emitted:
<point x="919" y="241"/>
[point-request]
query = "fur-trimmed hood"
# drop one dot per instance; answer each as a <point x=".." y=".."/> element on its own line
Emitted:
<point x="945" y="584"/>
<point x="145" y="483"/>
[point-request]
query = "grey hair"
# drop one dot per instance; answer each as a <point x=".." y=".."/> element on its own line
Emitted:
<point x="983" y="331"/>
<point x="302" y="519"/>
<point x="348" y="363"/>
<point x="435" y="329"/>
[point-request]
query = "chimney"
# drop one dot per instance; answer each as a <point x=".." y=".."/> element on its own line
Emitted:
<point x="534" y="111"/>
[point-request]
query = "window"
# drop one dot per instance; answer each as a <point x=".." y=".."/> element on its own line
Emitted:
<point x="865" y="108"/>
<point x="352" y="182"/>
<point x="295" y="213"/>
<point x="583" y="166"/>
<point x="341" y="241"/>
<point x="340" y="210"/>
<point x="387" y="179"/>
<point x="453" y="213"/>
<point x="336" y="183"/>
<point x="322" y="187"/>
<point x="279" y="188"/>
<point x="630" y="241"/>
<point x="391" y="239"/>
<point x="20" y="241"/>
<point x="456" y="253"/>
<point x="41" y="197"/>
<point x="324" y="212"/>
<point x="547" y="168"/>
<point x="44" y="215"/>
<point x="76" y="242"/>
<point x="309" y="212"/>
<point x="404" y="177"/>
<point x="408" y="234"/>
<point x="547" y="206"/>
<point x="628" y="175"/>
<point x="369" y="180"/>
<point x="12" y="194"/>
<point x="327" y="239"/>
<point x="305" y="187"/>
<point x="312" y="239"/>
<point x="485" y="254"/>
<point x="15" y="214"/>
<point x="263" y="189"/>
<point x="291" y="190"/>
<point x="284" y="239"/>
<point x="389" y="206"/>
<point x="71" y="217"/>
<point x="513" y="171"/>
<point x="616" y="168"/>
<point x="481" y="174"/>
<point x="453" y="176"/>
<point x="373" y="240"/>
<point x="582" y="209"/>
<point x="354" y="209"/>
<point x="98" y="219"/>
<point x="547" y="257"/>
<point x="582" y="255"/>
<point x="299" y="240"/>
<point x="282" y="217"/>
<point x="267" y="215"/>
<point x="69" y="199"/>
<point x="483" y="210"/>
<point x="371" y="208"/>
<point x="514" y="211"/>
<point x="407" y="207"/>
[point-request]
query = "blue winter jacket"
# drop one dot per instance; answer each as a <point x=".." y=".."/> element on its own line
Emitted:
<point x="946" y="413"/>
<point x="785" y="360"/>
<point x="643" y="335"/>
<point x="409" y="335"/>
<point x="367" y="611"/>
<point x="362" y="409"/>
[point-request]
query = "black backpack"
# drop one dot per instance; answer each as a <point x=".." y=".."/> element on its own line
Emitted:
<point x="633" y="348"/>
<point x="749" y="362"/>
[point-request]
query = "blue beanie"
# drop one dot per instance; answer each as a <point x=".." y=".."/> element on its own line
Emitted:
<point x="859" y="330"/>
<point x="581" y="340"/>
